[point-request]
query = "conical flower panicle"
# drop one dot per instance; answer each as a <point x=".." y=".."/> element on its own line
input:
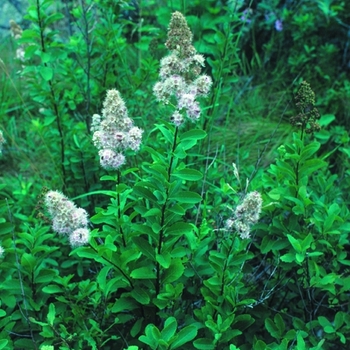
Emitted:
<point x="180" y="82"/>
<point x="114" y="132"/>
<point x="246" y="214"/>
<point x="308" y="114"/>
<point x="180" y="36"/>
<point x="67" y="219"/>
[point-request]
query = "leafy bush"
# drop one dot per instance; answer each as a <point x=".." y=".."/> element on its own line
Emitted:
<point x="199" y="237"/>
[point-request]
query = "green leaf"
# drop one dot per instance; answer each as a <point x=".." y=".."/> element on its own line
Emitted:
<point x="45" y="275"/>
<point x="272" y="328"/>
<point x="179" y="229"/>
<point x="144" y="246"/>
<point x="299" y="257"/>
<point x="330" y="278"/>
<point x="260" y="345"/>
<point x="43" y="324"/>
<point x="52" y="314"/>
<point x="46" y="73"/>
<point x="329" y="329"/>
<point x="86" y="252"/>
<point x="186" y="197"/>
<point x="152" y="212"/>
<point x="143" y="273"/>
<point x="174" y="272"/>
<point x="310" y="166"/>
<point x="289" y="257"/>
<point x="194" y="134"/>
<point x="306" y="243"/>
<point x="168" y="134"/>
<point x="28" y="261"/>
<point x="52" y="18"/>
<point x="52" y="289"/>
<point x="124" y="304"/>
<point x="140" y="295"/>
<point x="295" y="243"/>
<point x="339" y="320"/>
<point x="184" y="336"/>
<point x="279" y="324"/>
<point x="152" y="336"/>
<point x="188" y="174"/>
<point x="283" y="169"/>
<point x="164" y="259"/>
<point x="135" y="330"/>
<point x="204" y="344"/>
<point x="309" y="150"/>
<point x="3" y="343"/>
<point x="169" y="329"/>
<point x="300" y="342"/>
<point x="324" y="322"/>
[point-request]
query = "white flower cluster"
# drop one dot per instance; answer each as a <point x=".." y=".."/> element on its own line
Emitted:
<point x="2" y="140"/>
<point x="114" y="131"/>
<point x="16" y="33"/>
<point x="67" y="219"/>
<point x="180" y="80"/>
<point x="246" y="214"/>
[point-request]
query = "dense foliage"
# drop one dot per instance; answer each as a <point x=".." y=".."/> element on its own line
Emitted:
<point x="175" y="175"/>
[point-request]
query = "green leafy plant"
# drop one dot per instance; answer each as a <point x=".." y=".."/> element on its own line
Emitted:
<point x="203" y="234"/>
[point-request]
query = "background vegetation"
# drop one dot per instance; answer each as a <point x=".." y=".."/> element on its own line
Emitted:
<point x="199" y="286"/>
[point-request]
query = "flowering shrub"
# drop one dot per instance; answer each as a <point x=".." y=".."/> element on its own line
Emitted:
<point x="162" y="261"/>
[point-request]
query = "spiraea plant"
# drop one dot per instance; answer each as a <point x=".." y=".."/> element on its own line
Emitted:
<point x="179" y="258"/>
<point x="302" y="245"/>
<point x="149" y="244"/>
